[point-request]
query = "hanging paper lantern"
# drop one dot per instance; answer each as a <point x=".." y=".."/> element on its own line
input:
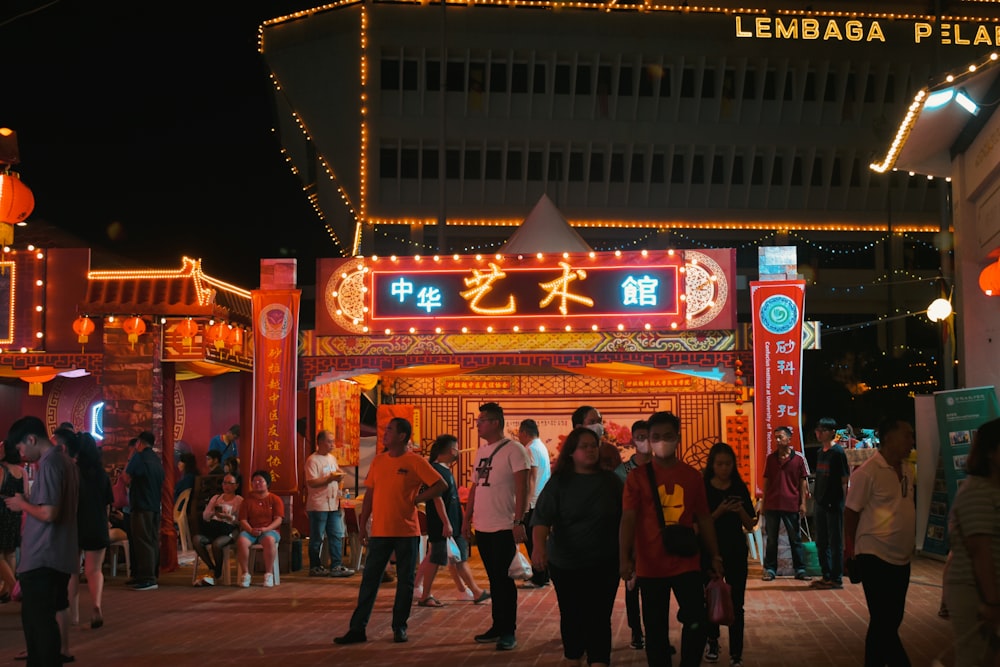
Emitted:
<point x="134" y="326"/>
<point x="35" y="376"/>
<point x="235" y="339"/>
<point x="83" y="326"/>
<point x="16" y="204"/>
<point x="216" y="334"/>
<point x="989" y="279"/>
<point x="187" y="329"/>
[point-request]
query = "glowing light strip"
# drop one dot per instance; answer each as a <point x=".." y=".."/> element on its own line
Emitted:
<point x="679" y="224"/>
<point x="612" y="5"/>
<point x="363" y="108"/>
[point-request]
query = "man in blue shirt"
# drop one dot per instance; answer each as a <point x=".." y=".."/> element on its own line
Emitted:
<point x="226" y="443"/>
<point x="144" y="476"/>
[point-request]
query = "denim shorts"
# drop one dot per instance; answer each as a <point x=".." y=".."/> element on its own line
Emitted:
<point x="256" y="540"/>
<point x="439" y="550"/>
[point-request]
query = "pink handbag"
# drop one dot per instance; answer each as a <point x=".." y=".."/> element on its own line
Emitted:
<point x="719" y="600"/>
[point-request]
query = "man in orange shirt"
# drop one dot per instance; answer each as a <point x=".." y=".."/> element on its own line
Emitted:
<point x="392" y="494"/>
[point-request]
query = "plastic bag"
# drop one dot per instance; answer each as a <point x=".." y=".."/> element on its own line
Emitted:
<point x="719" y="600"/>
<point x="454" y="553"/>
<point x="520" y="566"/>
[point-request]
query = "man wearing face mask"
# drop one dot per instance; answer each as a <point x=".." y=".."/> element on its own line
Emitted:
<point x="589" y="417"/>
<point x="640" y="438"/>
<point x="674" y="497"/>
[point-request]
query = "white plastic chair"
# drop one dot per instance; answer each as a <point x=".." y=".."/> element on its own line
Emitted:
<point x="254" y="550"/>
<point x="181" y="519"/>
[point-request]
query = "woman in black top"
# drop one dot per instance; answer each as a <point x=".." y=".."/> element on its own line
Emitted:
<point x="575" y="530"/>
<point x="732" y="510"/>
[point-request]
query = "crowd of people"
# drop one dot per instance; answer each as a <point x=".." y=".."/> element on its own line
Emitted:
<point x="589" y="522"/>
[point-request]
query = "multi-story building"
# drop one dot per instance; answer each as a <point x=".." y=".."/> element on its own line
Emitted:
<point x="422" y="127"/>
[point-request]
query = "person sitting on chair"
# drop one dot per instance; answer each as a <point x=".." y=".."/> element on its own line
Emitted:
<point x="220" y="520"/>
<point x="260" y="517"/>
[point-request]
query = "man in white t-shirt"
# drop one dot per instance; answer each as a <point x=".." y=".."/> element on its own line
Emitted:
<point x="879" y="538"/>
<point x="326" y="521"/>
<point x="498" y="503"/>
<point x="541" y="470"/>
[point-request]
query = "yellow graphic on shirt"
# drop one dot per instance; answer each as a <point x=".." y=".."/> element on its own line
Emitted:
<point x="673" y="504"/>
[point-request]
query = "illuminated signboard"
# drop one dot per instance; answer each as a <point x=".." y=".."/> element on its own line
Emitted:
<point x="662" y="290"/>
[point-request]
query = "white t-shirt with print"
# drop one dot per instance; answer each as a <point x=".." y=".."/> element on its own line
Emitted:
<point x="493" y="510"/>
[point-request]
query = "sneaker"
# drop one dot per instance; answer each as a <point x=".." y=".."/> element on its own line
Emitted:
<point x="802" y="576"/>
<point x="825" y="584"/>
<point x="245" y="581"/>
<point x="712" y="651"/>
<point x="506" y="643"/>
<point x="268" y="581"/>
<point x="488" y="637"/>
<point x="768" y="575"/>
<point x="319" y="571"/>
<point x="735" y="662"/>
<point x="637" y="641"/>
<point x="148" y="585"/>
<point x="206" y="581"/>
<point x="340" y="571"/>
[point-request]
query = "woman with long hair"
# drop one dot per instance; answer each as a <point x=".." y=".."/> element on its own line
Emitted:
<point x="575" y="531"/>
<point x="732" y="511"/>
<point x="187" y="466"/>
<point x="971" y="580"/>
<point x="11" y="482"/>
<point x="96" y="497"/>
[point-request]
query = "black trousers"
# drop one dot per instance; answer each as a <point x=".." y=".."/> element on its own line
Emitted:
<point x="497" y="550"/>
<point x="689" y="590"/>
<point x="538" y="577"/>
<point x="586" y="598"/>
<point x="885" y="587"/>
<point x="44" y="593"/>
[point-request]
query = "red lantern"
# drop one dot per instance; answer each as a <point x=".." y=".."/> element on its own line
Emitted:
<point x="217" y="334"/>
<point x="134" y="326"/>
<point x="16" y="203"/>
<point x="187" y="329"/>
<point x="235" y="339"/>
<point x="989" y="279"/>
<point x="83" y="326"/>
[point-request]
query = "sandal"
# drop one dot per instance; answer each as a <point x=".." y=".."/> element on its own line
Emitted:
<point x="430" y="601"/>
<point x="482" y="598"/>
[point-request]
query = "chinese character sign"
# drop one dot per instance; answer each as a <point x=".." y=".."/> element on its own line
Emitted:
<point x="274" y="444"/>
<point x="778" y="310"/>
<point x="567" y="291"/>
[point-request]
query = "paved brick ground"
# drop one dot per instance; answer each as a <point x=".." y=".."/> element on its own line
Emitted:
<point x="292" y="625"/>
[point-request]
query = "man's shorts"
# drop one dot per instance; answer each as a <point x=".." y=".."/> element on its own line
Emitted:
<point x="256" y="540"/>
<point x="439" y="550"/>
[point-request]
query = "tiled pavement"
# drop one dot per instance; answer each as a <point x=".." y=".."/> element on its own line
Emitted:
<point x="292" y="625"/>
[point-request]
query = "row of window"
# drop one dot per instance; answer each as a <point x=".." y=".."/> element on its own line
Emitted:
<point x="623" y="80"/>
<point x="617" y="167"/>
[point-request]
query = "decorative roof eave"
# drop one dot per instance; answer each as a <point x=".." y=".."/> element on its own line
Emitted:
<point x="928" y="139"/>
<point x="175" y="293"/>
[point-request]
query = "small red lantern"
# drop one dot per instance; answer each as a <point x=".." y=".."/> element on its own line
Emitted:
<point x="83" y="326"/>
<point x="134" y="326"/>
<point x="989" y="279"/>
<point x="187" y="329"/>
<point x="217" y="334"/>
<point x="235" y="339"/>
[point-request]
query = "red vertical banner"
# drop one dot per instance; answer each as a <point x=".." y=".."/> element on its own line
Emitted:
<point x="778" y="309"/>
<point x="273" y="445"/>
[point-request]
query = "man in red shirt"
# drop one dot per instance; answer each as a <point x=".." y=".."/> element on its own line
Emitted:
<point x="785" y="493"/>
<point x="680" y="500"/>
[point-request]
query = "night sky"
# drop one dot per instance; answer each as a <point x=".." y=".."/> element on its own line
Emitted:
<point x="146" y="129"/>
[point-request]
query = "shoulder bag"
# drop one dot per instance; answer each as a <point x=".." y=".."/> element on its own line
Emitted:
<point x="678" y="540"/>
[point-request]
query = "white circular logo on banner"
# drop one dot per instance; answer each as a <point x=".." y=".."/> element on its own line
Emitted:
<point x="275" y="321"/>
<point x="779" y="314"/>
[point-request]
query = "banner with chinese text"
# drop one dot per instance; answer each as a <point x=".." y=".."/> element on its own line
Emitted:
<point x="273" y="443"/>
<point x="778" y="307"/>
<point x="338" y="410"/>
